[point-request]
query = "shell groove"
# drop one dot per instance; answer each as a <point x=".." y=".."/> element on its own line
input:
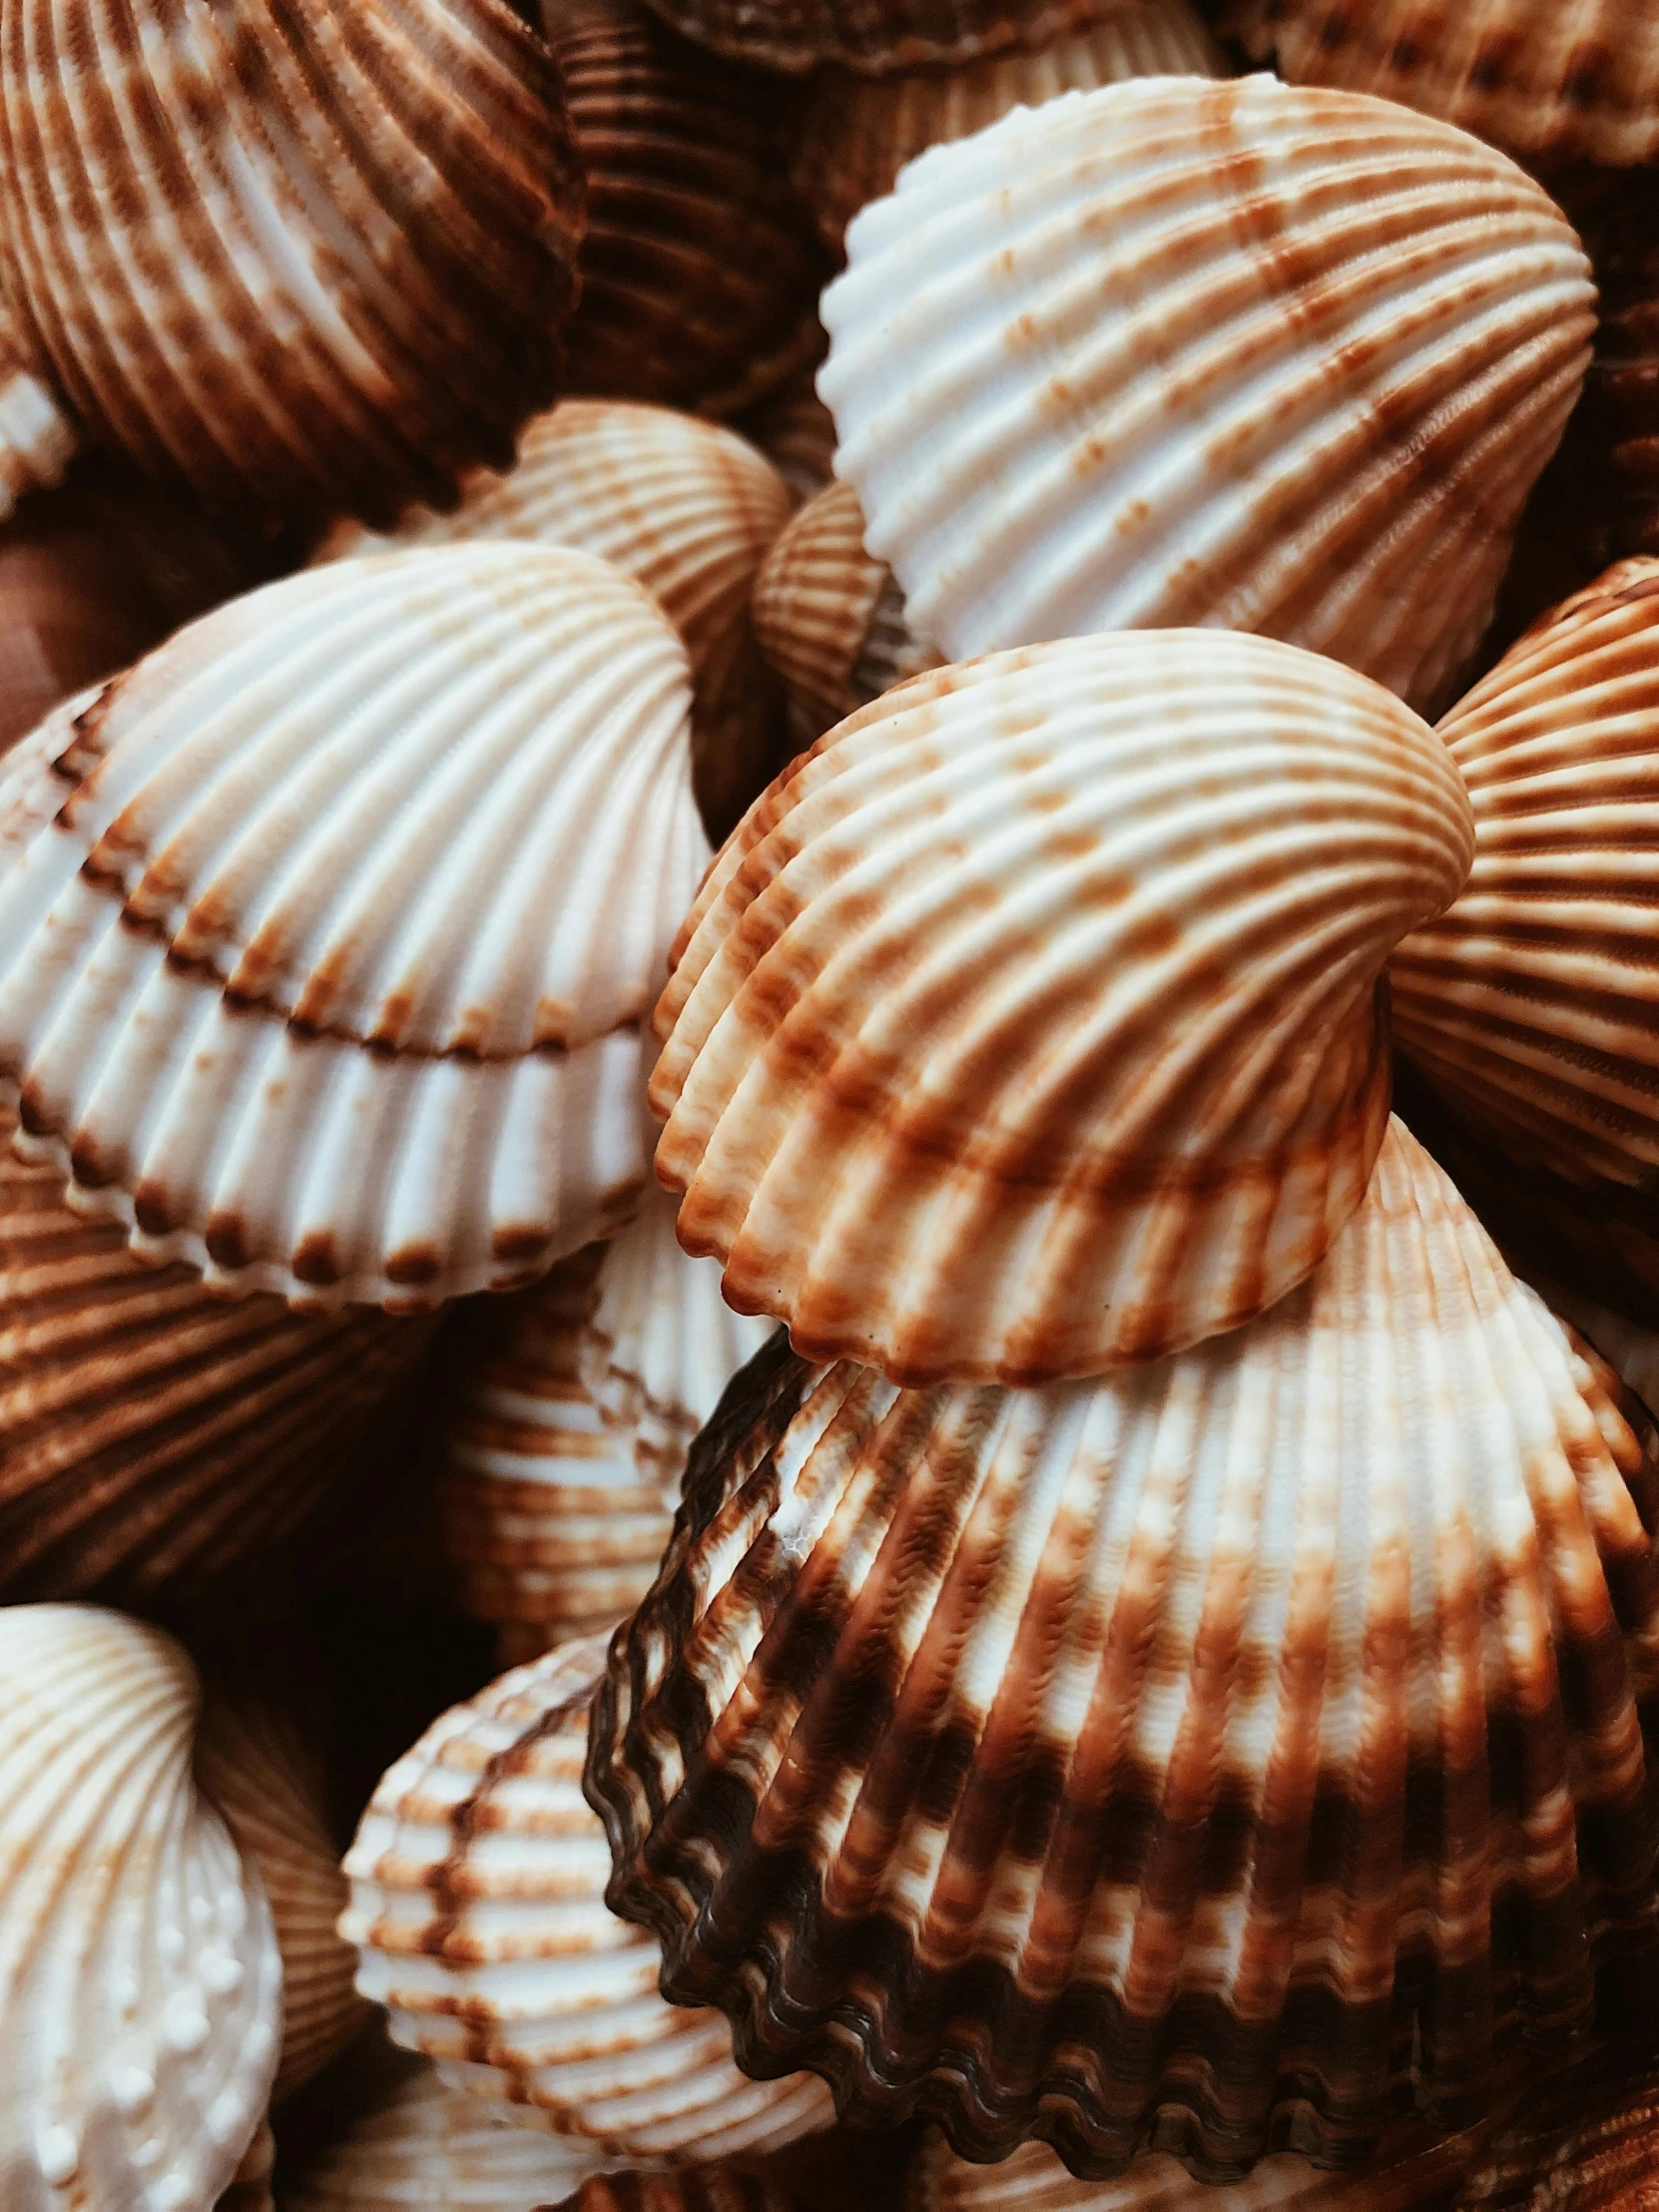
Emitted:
<point x="1238" y="354"/>
<point x="313" y="255"/>
<point x="477" y="1904"/>
<point x="1187" y="1759"/>
<point x="1024" y="1028"/>
<point x="874" y="35"/>
<point x="139" y="1980"/>
<point x="327" y="973"/>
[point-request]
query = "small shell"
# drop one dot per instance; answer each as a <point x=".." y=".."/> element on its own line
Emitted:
<point x="478" y="1903"/>
<point x="1574" y="78"/>
<point x="380" y="1039"/>
<point x="1026" y="1026"/>
<point x="140" y="1982"/>
<point x="1187" y="1759"/>
<point x="569" y="1436"/>
<point x="250" y="2189"/>
<point x="329" y="282"/>
<point x="37" y="439"/>
<point x="874" y="35"/>
<point x="1236" y="354"/>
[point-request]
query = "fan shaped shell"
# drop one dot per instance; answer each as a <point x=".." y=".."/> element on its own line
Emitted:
<point x="1031" y="1022"/>
<point x="140" y="1981"/>
<point x="1238" y="354"/>
<point x="327" y="972"/>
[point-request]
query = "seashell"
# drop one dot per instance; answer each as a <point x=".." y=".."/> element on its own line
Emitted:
<point x="954" y="1082"/>
<point x="1177" y="352"/>
<point x="796" y="431"/>
<point x="1588" y="2143"/>
<point x="874" y="35"/>
<point x="715" y="2191"/>
<point x="857" y="133"/>
<point x="1191" y="1760"/>
<point x="138" y="1977"/>
<point x="477" y="1903"/>
<point x="37" y="439"/>
<point x="1578" y="79"/>
<point x="829" y="619"/>
<point x="570" y="1433"/>
<point x="331" y="285"/>
<point x="212" y="1034"/>
<point x="250" y="2189"/>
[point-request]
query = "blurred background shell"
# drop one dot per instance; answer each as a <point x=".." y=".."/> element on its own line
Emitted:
<point x="478" y="1907"/>
<point x="1031" y="1023"/>
<point x="575" y="1406"/>
<point x="139" y="1980"/>
<point x="1587" y="2141"/>
<point x="1189" y="1760"/>
<point x="37" y="439"/>
<point x="874" y="35"/>
<point x="794" y="430"/>
<point x="379" y="1040"/>
<point x="717" y="2190"/>
<point x="1235" y="354"/>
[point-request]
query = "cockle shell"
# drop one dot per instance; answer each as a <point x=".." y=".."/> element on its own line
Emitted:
<point x="329" y="937"/>
<point x="874" y="35"/>
<point x="315" y="256"/>
<point x="140" y="1982"/>
<point x="37" y="439"/>
<point x="574" y="1413"/>
<point x="477" y="1903"/>
<point x="1031" y="1022"/>
<point x="1578" y="78"/>
<point x="1179" y="353"/>
<point x="857" y="133"/>
<point x="1186" y="1760"/>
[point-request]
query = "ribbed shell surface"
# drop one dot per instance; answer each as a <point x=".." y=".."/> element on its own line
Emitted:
<point x="874" y="35"/>
<point x="1031" y="1022"/>
<point x="140" y="1982"/>
<point x="1575" y="78"/>
<point x="37" y="439"/>
<point x="1530" y="1000"/>
<point x="478" y="1907"/>
<point x="315" y="255"/>
<point x="1235" y="354"/>
<point x="1187" y="1760"/>
<point x="330" y="934"/>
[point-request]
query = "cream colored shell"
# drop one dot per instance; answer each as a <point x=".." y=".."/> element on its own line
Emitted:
<point x="251" y="2185"/>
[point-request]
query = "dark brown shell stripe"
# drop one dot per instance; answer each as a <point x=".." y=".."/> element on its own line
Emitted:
<point x="714" y="2191"/>
<point x="1586" y="2141"/>
<point x="874" y="35"/>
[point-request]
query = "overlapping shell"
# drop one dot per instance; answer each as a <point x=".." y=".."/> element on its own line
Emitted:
<point x="139" y="1980"/>
<point x="477" y="1904"/>
<point x="1184" y="1759"/>
<point x="251" y="2185"/>
<point x="1177" y="352"/>
<point x="874" y="35"/>
<point x="330" y="932"/>
<point x="1031" y="1023"/>
<point x="315" y="256"/>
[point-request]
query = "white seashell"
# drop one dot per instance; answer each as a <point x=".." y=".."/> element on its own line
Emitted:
<point x="1238" y="354"/>
<point x="250" y="2189"/>
<point x="140" y="1981"/>
<point x="327" y="975"/>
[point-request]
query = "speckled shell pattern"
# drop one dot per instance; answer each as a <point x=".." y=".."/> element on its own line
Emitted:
<point x="1529" y="1002"/>
<point x="477" y="1904"/>
<point x="1177" y="1761"/>
<point x="874" y="36"/>
<point x="37" y="439"/>
<point x="138" y="1966"/>
<point x="330" y="932"/>
<point x="315" y="256"/>
<point x="1576" y="80"/>
<point x="1235" y="354"/>
<point x="1021" y="1029"/>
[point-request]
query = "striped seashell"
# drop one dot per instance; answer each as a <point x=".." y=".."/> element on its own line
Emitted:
<point x="1025" y="1028"/>
<point x="1578" y="78"/>
<point x="714" y="2191"/>
<point x="478" y="1907"/>
<point x="315" y="256"/>
<point x="857" y="133"/>
<point x="139" y="1983"/>
<point x="327" y="973"/>
<point x="569" y="1433"/>
<point x="874" y="36"/>
<point x="829" y="619"/>
<point x="37" y="439"/>
<point x="1236" y="354"/>
<point x="1199" y="1759"/>
<point x="251" y="2186"/>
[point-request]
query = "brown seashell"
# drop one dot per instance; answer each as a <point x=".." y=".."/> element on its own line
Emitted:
<point x="795" y="430"/>
<point x="315" y="256"/>
<point x="953" y="1075"/>
<point x="250" y="2189"/>
<point x="37" y="439"/>
<point x="874" y="35"/>
<point x="714" y="2191"/>
<point x="1588" y="2141"/>
<point x="1208" y="1758"/>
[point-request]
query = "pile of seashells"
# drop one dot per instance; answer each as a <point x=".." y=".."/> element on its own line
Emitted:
<point x="830" y="1053"/>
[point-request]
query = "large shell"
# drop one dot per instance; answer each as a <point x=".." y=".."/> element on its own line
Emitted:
<point x="1576" y="77"/>
<point x="874" y="35"/>
<point x="1031" y="1022"/>
<point x="315" y="256"/>
<point x="37" y="439"/>
<point x="477" y="1902"/>
<point x="140" y="1981"/>
<point x="1186" y="1760"/>
<point x="327" y="975"/>
<point x="574" y="1410"/>
<point x="1179" y="353"/>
